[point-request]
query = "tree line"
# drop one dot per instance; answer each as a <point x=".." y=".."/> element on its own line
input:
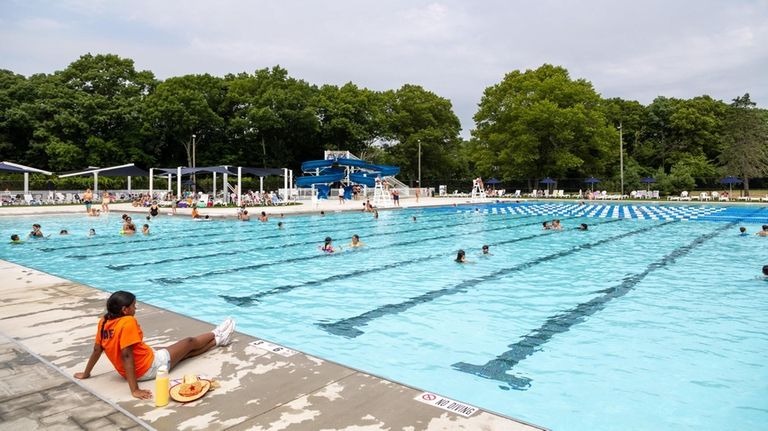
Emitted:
<point x="101" y="111"/>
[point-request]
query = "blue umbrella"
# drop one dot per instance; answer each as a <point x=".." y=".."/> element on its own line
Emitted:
<point x="548" y="181"/>
<point x="493" y="181"/>
<point x="730" y="180"/>
<point x="647" y="180"/>
<point x="591" y="181"/>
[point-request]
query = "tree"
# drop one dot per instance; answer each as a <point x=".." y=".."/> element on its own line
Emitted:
<point x="182" y="107"/>
<point x="744" y="145"/>
<point x="541" y="123"/>
<point x="273" y="122"/>
<point x="415" y="116"/>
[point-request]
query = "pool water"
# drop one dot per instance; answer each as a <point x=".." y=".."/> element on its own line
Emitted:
<point x="648" y="320"/>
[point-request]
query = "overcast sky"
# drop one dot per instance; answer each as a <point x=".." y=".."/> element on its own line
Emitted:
<point x="630" y="49"/>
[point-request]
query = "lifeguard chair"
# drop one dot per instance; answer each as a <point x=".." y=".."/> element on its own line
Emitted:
<point x="381" y="196"/>
<point x="478" y="190"/>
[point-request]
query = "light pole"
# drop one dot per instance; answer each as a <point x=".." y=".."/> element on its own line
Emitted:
<point x="194" y="177"/>
<point x="419" y="141"/>
<point x="621" y="157"/>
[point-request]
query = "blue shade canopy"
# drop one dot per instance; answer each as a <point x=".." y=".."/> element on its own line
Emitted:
<point x="493" y="181"/>
<point x="647" y="180"/>
<point x="592" y="180"/>
<point x="730" y="180"/>
<point x="20" y="169"/>
<point x="547" y="181"/>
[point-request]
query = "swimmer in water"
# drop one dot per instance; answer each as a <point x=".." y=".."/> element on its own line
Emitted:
<point x="356" y="241"/>
<point x="743" y="231"/>
<point x="15" y="239"/>
<point x="64" y="232"/>
<point x="461" y="257"/>
<point x="328" y="246"/>
<point x="583" y="226"/>
<point x="145" y="229"/>
<point x="279" y="225"/>
<point x="486" y="250"/>
<point x="763" y="232"/>
<point x="92" y="232"/>
<point x="765" y="271"/>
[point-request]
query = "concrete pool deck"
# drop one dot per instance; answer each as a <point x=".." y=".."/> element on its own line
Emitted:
<point x="46" y="335"/>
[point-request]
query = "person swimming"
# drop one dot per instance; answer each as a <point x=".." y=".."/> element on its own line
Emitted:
<point x="486" y="250"/>
<point x="328" y="245"/>
<point x="279" y="225"/>
<point x="461" y="257"/>
<point x="583" y="226"/>
<point x="145" y="229"/>
<point x="765" y="271"/>
<point x="356" y="241"/>
<point x="64" y="232"/>
<point x="92" y="232"/>
<point x="36" y="232"/>
<point x="743" y="231"/>
<point x="763" y="232"/>
<point x="15" y="239"/>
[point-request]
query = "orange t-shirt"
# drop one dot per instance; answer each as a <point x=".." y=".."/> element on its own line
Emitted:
<point x="120" y="333"/>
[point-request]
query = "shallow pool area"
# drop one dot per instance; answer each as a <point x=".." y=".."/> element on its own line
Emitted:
<point x="644" y="322"/>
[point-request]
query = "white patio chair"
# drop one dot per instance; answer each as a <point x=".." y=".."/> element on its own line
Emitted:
<point x="684" y="196"/>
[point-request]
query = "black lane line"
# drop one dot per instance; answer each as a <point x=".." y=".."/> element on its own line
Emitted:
<point x="178" y="280"/>
<point x="272" y="247"/>
<point x="248" y="300"/>
<point x="349" y="327"/>
<point x="226" y="241"/>
<point x="496" y="369"/>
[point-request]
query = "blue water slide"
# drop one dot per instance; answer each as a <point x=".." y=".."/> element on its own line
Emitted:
<point x="385" y="171"/>
<point x="365" y="178"/>
<point x="309" y="180"/>
<point x="312" y="165"/>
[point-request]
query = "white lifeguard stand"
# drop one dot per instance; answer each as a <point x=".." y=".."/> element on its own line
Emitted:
<point x="478" y="191"/>
<point x="381" y="196"/>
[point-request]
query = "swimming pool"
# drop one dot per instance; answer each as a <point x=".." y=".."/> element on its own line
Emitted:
<point x="643" y="323"/>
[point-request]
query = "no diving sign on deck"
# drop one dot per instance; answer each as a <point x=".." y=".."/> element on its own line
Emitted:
<point x="447" y="404"/>
<point x="274" y="348"/>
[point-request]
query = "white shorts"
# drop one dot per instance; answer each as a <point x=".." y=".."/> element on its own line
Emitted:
<point x="162" y="358"/>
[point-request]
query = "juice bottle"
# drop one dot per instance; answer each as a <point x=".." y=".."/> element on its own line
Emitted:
<point x="161" y="387"/>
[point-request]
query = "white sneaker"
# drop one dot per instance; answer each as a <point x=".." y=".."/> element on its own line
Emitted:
<point x="223" y="333"/>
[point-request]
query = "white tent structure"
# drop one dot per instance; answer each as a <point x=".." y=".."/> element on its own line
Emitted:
<point x="226" y="171"/>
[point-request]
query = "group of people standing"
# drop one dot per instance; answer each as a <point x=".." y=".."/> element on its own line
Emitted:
<point x="88" y="199"/>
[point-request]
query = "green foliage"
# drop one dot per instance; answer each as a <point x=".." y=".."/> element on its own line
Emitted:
<point x="744" y="146"/>
<point x="101" y="111"/>
<point x="541" y="123"/>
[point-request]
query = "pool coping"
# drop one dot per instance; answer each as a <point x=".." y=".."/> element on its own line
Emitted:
<point x="54" y="319"/>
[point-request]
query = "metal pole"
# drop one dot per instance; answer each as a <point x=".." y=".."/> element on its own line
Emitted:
<point x="178" y="183"/>
<point x="419" y="185"/>
<point x="621" y="157"/>
<point x="151" y="184"/>
<point x="239" y="186"/>
<point x="194" y="163"/>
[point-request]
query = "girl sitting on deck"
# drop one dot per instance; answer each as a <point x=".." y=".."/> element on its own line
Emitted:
<point x="120" y="337"/>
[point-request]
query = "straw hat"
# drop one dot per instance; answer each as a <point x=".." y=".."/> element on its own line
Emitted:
<point x="190" y="389"/>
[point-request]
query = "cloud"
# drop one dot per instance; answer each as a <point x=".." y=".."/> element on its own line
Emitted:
<point x="635" y="50"/>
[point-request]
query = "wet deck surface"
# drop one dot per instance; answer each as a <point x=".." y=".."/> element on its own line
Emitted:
<point x="47" y="326"/>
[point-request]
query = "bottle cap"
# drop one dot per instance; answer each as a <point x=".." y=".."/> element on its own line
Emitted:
<point x="162" y="368"/>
